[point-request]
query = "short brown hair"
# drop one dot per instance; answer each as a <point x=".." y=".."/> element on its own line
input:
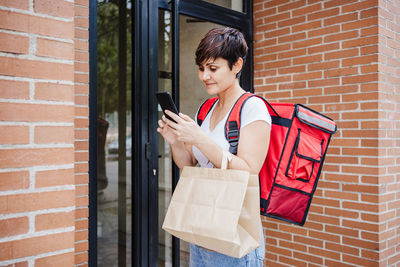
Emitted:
<point x="224" y="42"/>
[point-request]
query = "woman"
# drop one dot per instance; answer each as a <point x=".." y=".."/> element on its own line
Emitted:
<point x="220" y="57"/>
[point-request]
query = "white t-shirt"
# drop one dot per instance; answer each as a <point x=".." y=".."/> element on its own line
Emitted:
<point x="254" y="109"/>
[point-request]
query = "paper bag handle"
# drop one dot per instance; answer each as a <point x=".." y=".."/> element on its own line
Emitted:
<point x="226" y="157"/>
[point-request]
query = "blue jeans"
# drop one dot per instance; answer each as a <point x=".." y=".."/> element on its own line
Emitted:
<point x="201" y="257"/>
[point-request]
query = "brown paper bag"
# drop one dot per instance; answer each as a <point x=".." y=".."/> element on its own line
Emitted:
<point x="218" y="209"/>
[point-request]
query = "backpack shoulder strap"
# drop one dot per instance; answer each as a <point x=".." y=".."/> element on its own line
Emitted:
<point x="205" y="109"/>
<point x="232" y="124"/>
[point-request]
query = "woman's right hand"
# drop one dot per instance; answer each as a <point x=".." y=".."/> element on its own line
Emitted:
<point x="166" y="131"/>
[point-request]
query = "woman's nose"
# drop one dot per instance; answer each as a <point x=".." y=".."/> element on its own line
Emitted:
<point x="206" y="75"/>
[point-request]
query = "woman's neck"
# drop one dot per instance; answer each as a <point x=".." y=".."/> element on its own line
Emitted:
<point x="230" y="95"/>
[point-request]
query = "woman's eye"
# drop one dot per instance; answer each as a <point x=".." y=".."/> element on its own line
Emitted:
<point x="201" y="69"/>
<point x="213" y="69"/>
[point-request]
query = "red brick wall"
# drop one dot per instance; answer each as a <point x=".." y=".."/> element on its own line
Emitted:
<point x="81" y="46"/>
<point x="389" y="125"/>
<point x="43" y="132"/>
<point x="329" y="56"/>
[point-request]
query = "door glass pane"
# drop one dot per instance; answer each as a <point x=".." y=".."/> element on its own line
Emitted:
<point x="114" y="149"/>
<point x="165" y="157"/>
<point x="192" y="91"/>
<point x="236" y="5"/>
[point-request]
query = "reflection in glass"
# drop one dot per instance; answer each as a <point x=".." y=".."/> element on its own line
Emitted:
<point x="236" y="5"/>
<point x="114" y="231"/>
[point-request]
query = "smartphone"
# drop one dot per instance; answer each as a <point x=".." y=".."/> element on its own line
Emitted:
<point x="166" y="103"/>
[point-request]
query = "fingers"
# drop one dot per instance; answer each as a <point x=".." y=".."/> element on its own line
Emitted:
<point x="185" y="117"/>
<point x="173" y="116"/>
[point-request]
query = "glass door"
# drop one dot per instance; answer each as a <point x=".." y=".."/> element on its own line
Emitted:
<point x="167" y="34"/>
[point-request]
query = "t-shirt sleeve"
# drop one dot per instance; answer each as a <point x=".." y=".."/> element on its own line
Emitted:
<point x="254" y="109"/>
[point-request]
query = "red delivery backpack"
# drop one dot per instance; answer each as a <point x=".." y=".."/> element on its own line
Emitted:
<point x="298" y="143"/>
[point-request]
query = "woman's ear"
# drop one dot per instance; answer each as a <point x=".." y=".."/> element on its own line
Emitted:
<point x="237" y="67"/>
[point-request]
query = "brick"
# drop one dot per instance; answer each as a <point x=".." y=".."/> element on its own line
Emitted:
<point x="81" y="190"/>
<point x="306" y="26"/>
<point x="360" y="206"/>
<point x="292" y="246"/>
<point x="36" y="112"/>
<point x="82" y="224"/>
<point x="12" y="135"/>
<point x="341" y="54"/>
<point x="323" y="219"/>
<point x="358" y="260"/>
<point x="57" y="177"/>
<point x="369" y="31"/>
<point x="82" y="56"/>
<point x="307" y="76"/>
<point x="290" y="22"/>
<point x="368" y="59"/>
<point x="308" y="241"/>
<point x="276" y="18"/>
<point x="360" y="78"/>
<point x="306" y="10"/>
<point x="278" y="250"/>
<point x="81" y="78"/>
<point x="82" y="201"/>
<point x="54" y="92"/>
<point x="14" y="180"/>
<point x="324" y="31"/>
<point x="35" y="245"/>
<point x="340" y="19"/>
<point x="81" y="33"/>
<point x="308" y="257"/>
<point x="54" y="49"/>
<point x="54" y="134"/>
<point x="292" y="262"/>
<point x="26" y="157"/>
<point x="36" y="201"/>
<point x="276" y="33"/>
<point x="323" y="14"/>
<point x="291" y="6"/>
<point x="291" y="38"/>
<point x="14" y="89"/>
<point x="81" y="213"/>
<point x="342" y="248"/>
<point x="342" y="231"/>
<point x="362" y="41"/>
<point x="82" y="67"/>
<point x="341" y="72"/>
<point x="359" y="6"/>
<point x="35" y="69"/>
<point x="324" y="82"/>
<point x="341" y="36"/>
<point x="14" y="226"/>
<point x="81" y="258"/>
<point x="12" y="43"/>
<point x="56" y="8"/>
<point x="307" y="43"/>
<point x="81" y="11"/>
<point x="38" y="25"/>
<point x="81" y="235"/>
<point x="296" y="69"/>
<point x="54" y="220"/>
<point x="323" y="48"/>
<point x="60" y="260"/>
<point x="21" y="4"/>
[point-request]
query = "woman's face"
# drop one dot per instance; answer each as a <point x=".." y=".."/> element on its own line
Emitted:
<point x="216" y="75"/>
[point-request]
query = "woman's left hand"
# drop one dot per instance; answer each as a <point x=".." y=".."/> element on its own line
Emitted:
<point x="185" y="128"/>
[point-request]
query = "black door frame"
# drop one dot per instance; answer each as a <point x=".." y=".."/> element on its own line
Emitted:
<point x="144" y="110"/>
